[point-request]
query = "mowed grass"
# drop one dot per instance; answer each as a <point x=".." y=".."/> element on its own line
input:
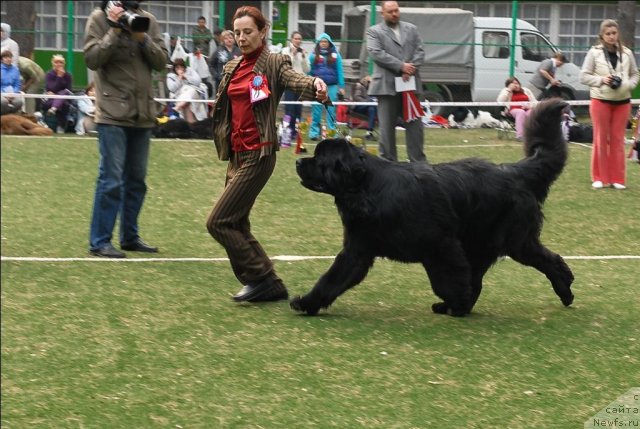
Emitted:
<point x="160" y="344"/>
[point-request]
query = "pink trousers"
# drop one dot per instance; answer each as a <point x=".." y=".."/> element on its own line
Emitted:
<point x="520" y="115"/>
<point x="607" y="156"/>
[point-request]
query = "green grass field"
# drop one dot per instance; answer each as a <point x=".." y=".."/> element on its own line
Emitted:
<point x="89" y="343"/>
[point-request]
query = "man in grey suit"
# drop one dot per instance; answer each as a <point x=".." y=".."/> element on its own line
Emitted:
<point x="396" y="50"/>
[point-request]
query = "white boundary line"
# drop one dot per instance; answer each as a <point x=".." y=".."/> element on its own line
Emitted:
<point x="285" y="258"/>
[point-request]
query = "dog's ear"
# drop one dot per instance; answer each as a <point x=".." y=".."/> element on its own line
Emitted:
<point x="349" y="171"/>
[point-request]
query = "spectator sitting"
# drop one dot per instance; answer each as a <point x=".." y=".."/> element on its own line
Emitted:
<point x="185" y="84"/>
<point x="86" y="112"/>
<point x="10" y="84"/>
<point x="360" y="95"/>
<point x="58" y="82"/>
<point x="514" y="92"/>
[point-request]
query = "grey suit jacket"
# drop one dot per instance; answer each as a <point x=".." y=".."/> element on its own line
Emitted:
<point x="388" y="54"/>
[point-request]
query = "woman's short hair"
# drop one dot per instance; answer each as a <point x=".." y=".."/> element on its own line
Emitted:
<point x="226" y="33"/>
<point x="58" y="57"/>
<point x="6" y="54"/>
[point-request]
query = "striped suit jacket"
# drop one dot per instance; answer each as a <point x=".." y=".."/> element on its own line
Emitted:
<point x="280" y="76"/>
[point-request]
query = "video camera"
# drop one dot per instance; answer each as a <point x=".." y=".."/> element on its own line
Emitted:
<point x="129" y="20"/>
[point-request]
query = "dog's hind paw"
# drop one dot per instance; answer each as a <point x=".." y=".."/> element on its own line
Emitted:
<point x="440" y="308"/>
<point x="298" y="304"/>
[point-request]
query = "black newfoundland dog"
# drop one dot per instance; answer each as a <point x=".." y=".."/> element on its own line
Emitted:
<point x="455" y="218"/>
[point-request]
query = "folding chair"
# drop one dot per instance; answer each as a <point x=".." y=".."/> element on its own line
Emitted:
<point x="507" y="128"/>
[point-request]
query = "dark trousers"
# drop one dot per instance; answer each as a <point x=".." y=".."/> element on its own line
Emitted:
<point x="228" y="222"/>
<point x="293" y="110"/>
<point x="370" y="111"/>
<point x="389" y="109"/>
<point x="62" y="107"/>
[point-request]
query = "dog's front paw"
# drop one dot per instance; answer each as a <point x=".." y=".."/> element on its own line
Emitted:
<point x="303" y="305"/>
<point x="567" y="300"/>
<point x="444" y="308"/>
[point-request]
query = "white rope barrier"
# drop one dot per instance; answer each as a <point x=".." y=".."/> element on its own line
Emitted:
<point x="635" y="101"/>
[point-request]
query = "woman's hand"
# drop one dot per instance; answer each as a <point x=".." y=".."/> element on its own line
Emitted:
<point x="321" y="90"/>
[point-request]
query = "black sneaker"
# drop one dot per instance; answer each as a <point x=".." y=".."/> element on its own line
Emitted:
<point x="267" y="290"/>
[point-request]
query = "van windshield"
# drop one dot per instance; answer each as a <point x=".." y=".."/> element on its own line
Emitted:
<point x="535" y="47"/>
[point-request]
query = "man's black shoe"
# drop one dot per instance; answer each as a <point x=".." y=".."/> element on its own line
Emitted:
<point x="267" y="290"/>
<point x="107" y="251"/>
<point x="139" y="246"/>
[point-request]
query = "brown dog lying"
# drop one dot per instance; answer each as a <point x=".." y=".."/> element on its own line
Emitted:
<point x="17" y="125"/>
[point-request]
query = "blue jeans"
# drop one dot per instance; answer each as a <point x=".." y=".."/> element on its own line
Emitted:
<point x="120" y="188"/>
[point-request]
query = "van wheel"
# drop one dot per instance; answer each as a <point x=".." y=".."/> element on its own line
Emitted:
<point x="436" y="97"/>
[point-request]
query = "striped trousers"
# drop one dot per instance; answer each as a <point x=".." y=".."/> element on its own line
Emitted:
<point x="228" y="223"/>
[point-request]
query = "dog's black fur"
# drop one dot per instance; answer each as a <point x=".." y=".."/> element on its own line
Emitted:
<point x="181" y="129"/>
<point x="455" y="218"/>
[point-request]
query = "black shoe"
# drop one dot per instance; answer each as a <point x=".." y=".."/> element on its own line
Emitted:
<point x="107" y="251"/>
<point x="139" y="246"/>
<point x="267" y="290"/>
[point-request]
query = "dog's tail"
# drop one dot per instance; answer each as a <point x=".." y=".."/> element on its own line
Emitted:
<point x="545" y="147"/>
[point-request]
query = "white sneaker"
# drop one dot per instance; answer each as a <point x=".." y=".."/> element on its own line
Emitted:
<point x="619" y="186"/>
<point x="60" y="130"/>
<point x="597" y="184"/>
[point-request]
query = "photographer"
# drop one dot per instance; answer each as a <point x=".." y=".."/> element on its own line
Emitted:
<point x="122" y="45"/>
<point x="610" y="70"/>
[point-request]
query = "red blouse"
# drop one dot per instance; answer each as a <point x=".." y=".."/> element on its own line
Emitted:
<point x="244" y="130"/>
<point x="518" y="96"/>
